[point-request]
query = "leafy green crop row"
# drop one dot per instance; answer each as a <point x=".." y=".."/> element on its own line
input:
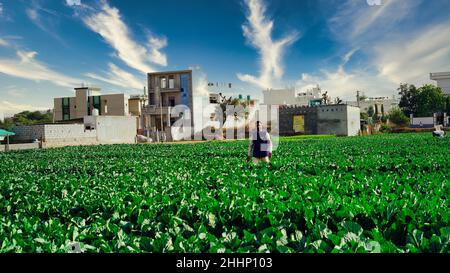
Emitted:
<point x="369" y="194"/>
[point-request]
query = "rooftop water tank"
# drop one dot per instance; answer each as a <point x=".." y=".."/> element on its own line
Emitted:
<point x="95" y="112"/>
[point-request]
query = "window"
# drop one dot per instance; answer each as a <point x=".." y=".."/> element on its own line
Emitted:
<point x="151" y="99"/>
<point x="171" y="82"/>
<point x="151" y="84"/>
<point x="172" y="101"/>
<point x="97" y="104"/>
<point x="66" y="108"/>
<point x="163" y="82"/>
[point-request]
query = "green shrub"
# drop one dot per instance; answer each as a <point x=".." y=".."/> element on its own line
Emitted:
<point x="397" y="117"/>
<point x="384" y="128"/>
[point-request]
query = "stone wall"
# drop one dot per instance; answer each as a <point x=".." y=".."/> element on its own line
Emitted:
<point x="286" y="120"/>
<point x="340" y="120"/>
<point x="28" y="133"/>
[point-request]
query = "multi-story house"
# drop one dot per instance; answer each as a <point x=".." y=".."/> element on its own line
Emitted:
<point x="166" y="90"/>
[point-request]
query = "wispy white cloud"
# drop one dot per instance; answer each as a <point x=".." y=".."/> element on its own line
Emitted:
<point x="119" y="77"/>
<point x="45" y="19"/>
<point x="108" y="23"/>
<point x="344" y="83"/>
<point x="14" y="91"/>
<point x="27" y="67"/>
<point x="392" y="55"/>
<point x="156" y="44"/>
<point x="8" y="107"/>
<point x="258" y="32"/>
<point x="3" y="42"/>
<point x="33" y="15"/>
<point x="355" y="22"/>
<point x="426" y="51"/>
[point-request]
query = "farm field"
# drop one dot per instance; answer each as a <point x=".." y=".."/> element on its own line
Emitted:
<point x="385" y="193"/>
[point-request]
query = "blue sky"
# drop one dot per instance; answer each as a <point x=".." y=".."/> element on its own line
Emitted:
<point x="47" y="47"/>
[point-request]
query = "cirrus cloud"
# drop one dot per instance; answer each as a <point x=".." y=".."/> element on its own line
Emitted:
<point x="108" y="23"/>
<point x="119" y="77"/>
<point x="27" y="67"/>
<point x="258" y="32"/>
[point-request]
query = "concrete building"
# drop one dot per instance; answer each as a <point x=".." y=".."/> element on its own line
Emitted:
<point x="341" y="120"/>
<point x="93" y="131"/>
<point x="291" y="96"/>
<point x="88" y="98"/>
<point x="166" y="90"/>
<point x="443" y="81"/>
<point x="379" y="104"/>
<point x="136" y="104"/>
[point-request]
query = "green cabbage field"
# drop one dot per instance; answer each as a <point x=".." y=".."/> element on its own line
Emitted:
<point x="386" y="193"/>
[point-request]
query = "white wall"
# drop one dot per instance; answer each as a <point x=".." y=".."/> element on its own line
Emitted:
<point x="353" y="121"/>
<point x="116" y="129"/>
<point x="279" y="97"/>
<point x="17" y="147"/>
<point x="425" y="121"/>
<point x="332" y="120"/>
<point x="67" y="132"/>
<point x="108" y="130"/>
<point x="388" y="104"/>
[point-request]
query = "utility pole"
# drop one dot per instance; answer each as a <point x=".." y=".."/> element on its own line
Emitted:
<point x="161" y="111"/>
<point x="357" y="97"/>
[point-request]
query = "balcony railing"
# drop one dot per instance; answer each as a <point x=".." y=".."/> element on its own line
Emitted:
<point x="155" y="109"/>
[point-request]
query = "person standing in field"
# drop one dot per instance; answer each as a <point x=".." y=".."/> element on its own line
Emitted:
<point x="260" y="145"/>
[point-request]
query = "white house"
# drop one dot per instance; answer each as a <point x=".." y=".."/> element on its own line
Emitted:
<point x="383" y="104"/>
<point x="443" y="80"/>
<point x="291" y="96"/>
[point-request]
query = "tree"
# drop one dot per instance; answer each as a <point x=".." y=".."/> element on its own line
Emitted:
<point x="430" y="100"/>
<point x="423" y="102"/>
<point x="370" y="111"/>
<point x="397" y="117"/>
<point x="364" y="116"/>
<point x="7" y="124"/>
<point x="447" y="105"/>
<point x="408" y="100"/>
<point x="27" y="118"/>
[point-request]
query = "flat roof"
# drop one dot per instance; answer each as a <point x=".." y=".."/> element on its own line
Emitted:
<point x="439" y="75"/>
<point x="170" y="72"/>
<point x="101" y="95"/>
<point x="93" y="88"/>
